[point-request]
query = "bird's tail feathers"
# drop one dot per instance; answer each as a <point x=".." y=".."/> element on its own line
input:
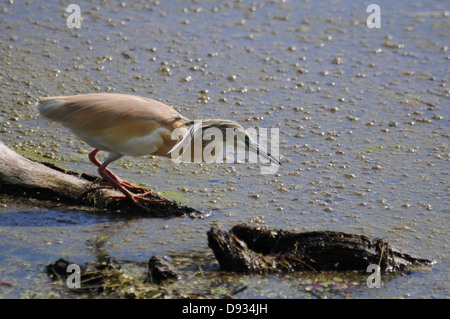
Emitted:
<point x="48" y="107"/>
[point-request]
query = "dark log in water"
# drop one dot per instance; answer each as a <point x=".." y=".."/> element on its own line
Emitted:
<point x="253" y="249"/>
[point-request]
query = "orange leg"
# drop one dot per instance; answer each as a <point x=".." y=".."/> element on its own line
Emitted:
<point x="127" y="185"/>
<point x="115" y="181"/>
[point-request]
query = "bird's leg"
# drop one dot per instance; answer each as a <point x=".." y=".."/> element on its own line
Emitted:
<point x="106" y="174"/>
<point x="127" y="185"/>
<point x="93" y="158"/>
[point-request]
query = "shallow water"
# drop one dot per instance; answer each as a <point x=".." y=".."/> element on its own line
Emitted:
<point x="362" y="115"/>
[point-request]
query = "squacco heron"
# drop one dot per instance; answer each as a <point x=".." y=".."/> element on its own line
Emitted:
<point x="130" y="125"/>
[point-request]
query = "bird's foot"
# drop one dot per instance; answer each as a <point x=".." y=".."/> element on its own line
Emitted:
<point x="144" y="198"/>
<point x="127" y="185"/>
<point x="136" y="199"/>
<point x="132" y="187"/>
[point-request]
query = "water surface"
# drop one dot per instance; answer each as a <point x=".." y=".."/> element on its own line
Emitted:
<point x="362" y="115"/>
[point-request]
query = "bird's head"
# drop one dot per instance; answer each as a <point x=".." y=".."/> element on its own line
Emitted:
<point x="203" y="132"/>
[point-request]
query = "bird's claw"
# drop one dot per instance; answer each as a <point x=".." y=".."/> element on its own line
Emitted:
<point x="126" y="185"/>
<point x="136" y="198"/>
<point x="132" y="187"/>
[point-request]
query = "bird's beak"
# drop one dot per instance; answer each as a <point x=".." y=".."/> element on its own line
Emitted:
<point x="259" y="150"/>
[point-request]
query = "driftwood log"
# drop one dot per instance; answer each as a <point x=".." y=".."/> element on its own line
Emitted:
<point x="256" y="250"/>
<point x="23" y="177"/>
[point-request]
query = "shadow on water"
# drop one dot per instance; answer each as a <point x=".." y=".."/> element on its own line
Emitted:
<point x="52" y="218"/>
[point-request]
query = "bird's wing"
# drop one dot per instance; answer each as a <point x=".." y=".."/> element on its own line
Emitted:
<point x="113" y="118"/>
<point x="104" y="110"/>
